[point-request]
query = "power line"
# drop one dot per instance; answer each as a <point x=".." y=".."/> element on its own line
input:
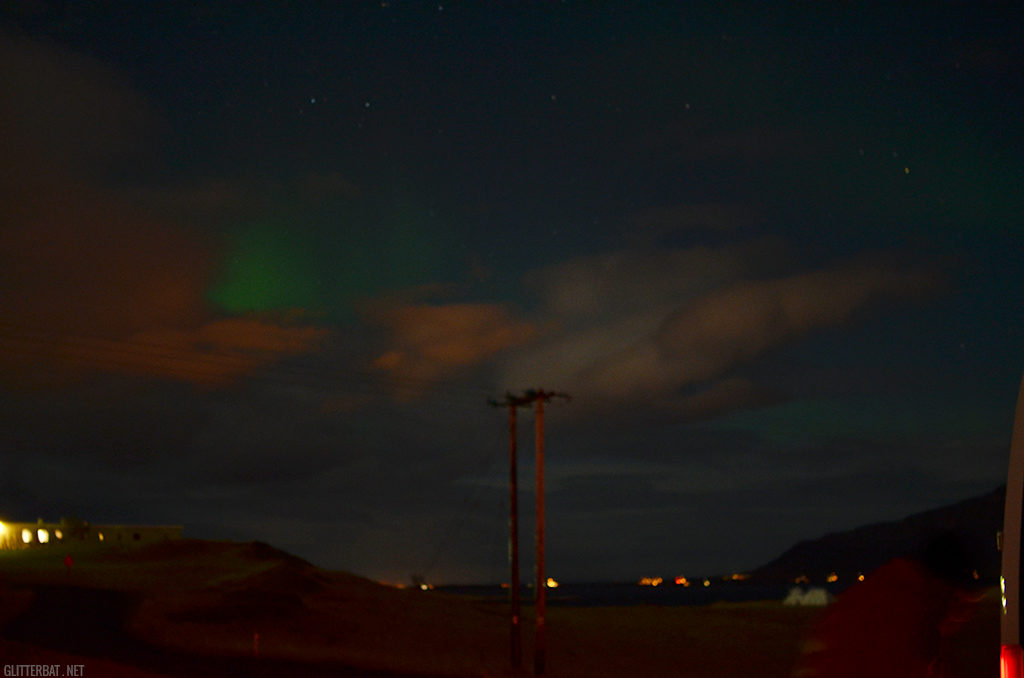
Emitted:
<point x="459" y="520"/>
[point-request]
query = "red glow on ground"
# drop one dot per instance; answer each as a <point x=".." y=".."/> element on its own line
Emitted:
<point x="1011" y="662"/>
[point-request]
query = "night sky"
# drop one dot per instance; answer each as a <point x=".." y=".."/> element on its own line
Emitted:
<point x="262" y="267"/>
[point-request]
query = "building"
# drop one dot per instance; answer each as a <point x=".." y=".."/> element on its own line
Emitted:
<point x="71" y="532"/>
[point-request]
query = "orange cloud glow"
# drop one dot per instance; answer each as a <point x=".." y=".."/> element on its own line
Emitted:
<point x="429" y="341"/>
<point x="90" y="282"/>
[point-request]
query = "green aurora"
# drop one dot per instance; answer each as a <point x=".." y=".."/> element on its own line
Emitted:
<point x="273" y="265"/>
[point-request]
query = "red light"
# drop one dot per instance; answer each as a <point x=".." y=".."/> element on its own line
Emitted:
<point x="1011" y="662"/>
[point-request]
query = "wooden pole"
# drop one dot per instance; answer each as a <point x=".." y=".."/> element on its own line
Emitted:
<point x="541" y="585"/>
<point x="515" y="640"/>
<point x="540" y="589"/>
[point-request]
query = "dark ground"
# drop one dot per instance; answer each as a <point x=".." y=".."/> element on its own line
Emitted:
<point x="90" y="623"/>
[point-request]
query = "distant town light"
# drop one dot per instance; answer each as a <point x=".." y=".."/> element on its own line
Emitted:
<point x="101" y="536"/>
<point x="650" y="581"/>
<point x="860" y="577"/>
<point x="707" y="583"/>
<point x="551" y="583"/>
<point x="44" y="536"/>
<point x="26" y="536"/>
<point x="832" y="577"/>
<point x="682" y="581"/>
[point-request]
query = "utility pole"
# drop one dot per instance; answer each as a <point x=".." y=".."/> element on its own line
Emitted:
<point x="540" y="396"/>
<point x="540" y="589"/>
<point x="515" y="636"/>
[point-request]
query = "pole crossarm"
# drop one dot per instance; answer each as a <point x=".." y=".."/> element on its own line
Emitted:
<point x="529" y="397"/>
<point x="511" y="401"/>
<point x="540" y="394"/>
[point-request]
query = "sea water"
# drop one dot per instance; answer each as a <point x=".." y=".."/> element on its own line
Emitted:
<point x="631" y="593"/>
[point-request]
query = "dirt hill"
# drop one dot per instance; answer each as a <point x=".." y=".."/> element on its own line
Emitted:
<point x="974" y="521"/>
<point x="196" y="608"/>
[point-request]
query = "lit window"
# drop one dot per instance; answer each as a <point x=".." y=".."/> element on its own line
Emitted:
<point x="101" y="536"/>
<point x="43" y="535"/>
<point x="26" y="536"/>
<point x="58" y="534"/>
<point x="3" y="529"/>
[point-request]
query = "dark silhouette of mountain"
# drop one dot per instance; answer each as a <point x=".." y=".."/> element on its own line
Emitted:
<point x="975" y="522"/>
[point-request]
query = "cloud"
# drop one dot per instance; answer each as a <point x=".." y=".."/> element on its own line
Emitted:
<point x="226" y="200"/>
<point x="65" y="113"/>
<point x="88" y="284"/>
<point x="730" y="326"/>
<point x="657" y="222"/>
<point x="611" y="284"/>
<point x="89" y="281"/>
<point x="220" y="350"/>
<point x="719" y="320"/>
<point x="214" y="353"/>
<point x="725" y="395"/>
<point x="320" y="186"/>
<point x="96" y="268"/>
<point x="428" y="342"/>
<point x="703" y="140"/>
